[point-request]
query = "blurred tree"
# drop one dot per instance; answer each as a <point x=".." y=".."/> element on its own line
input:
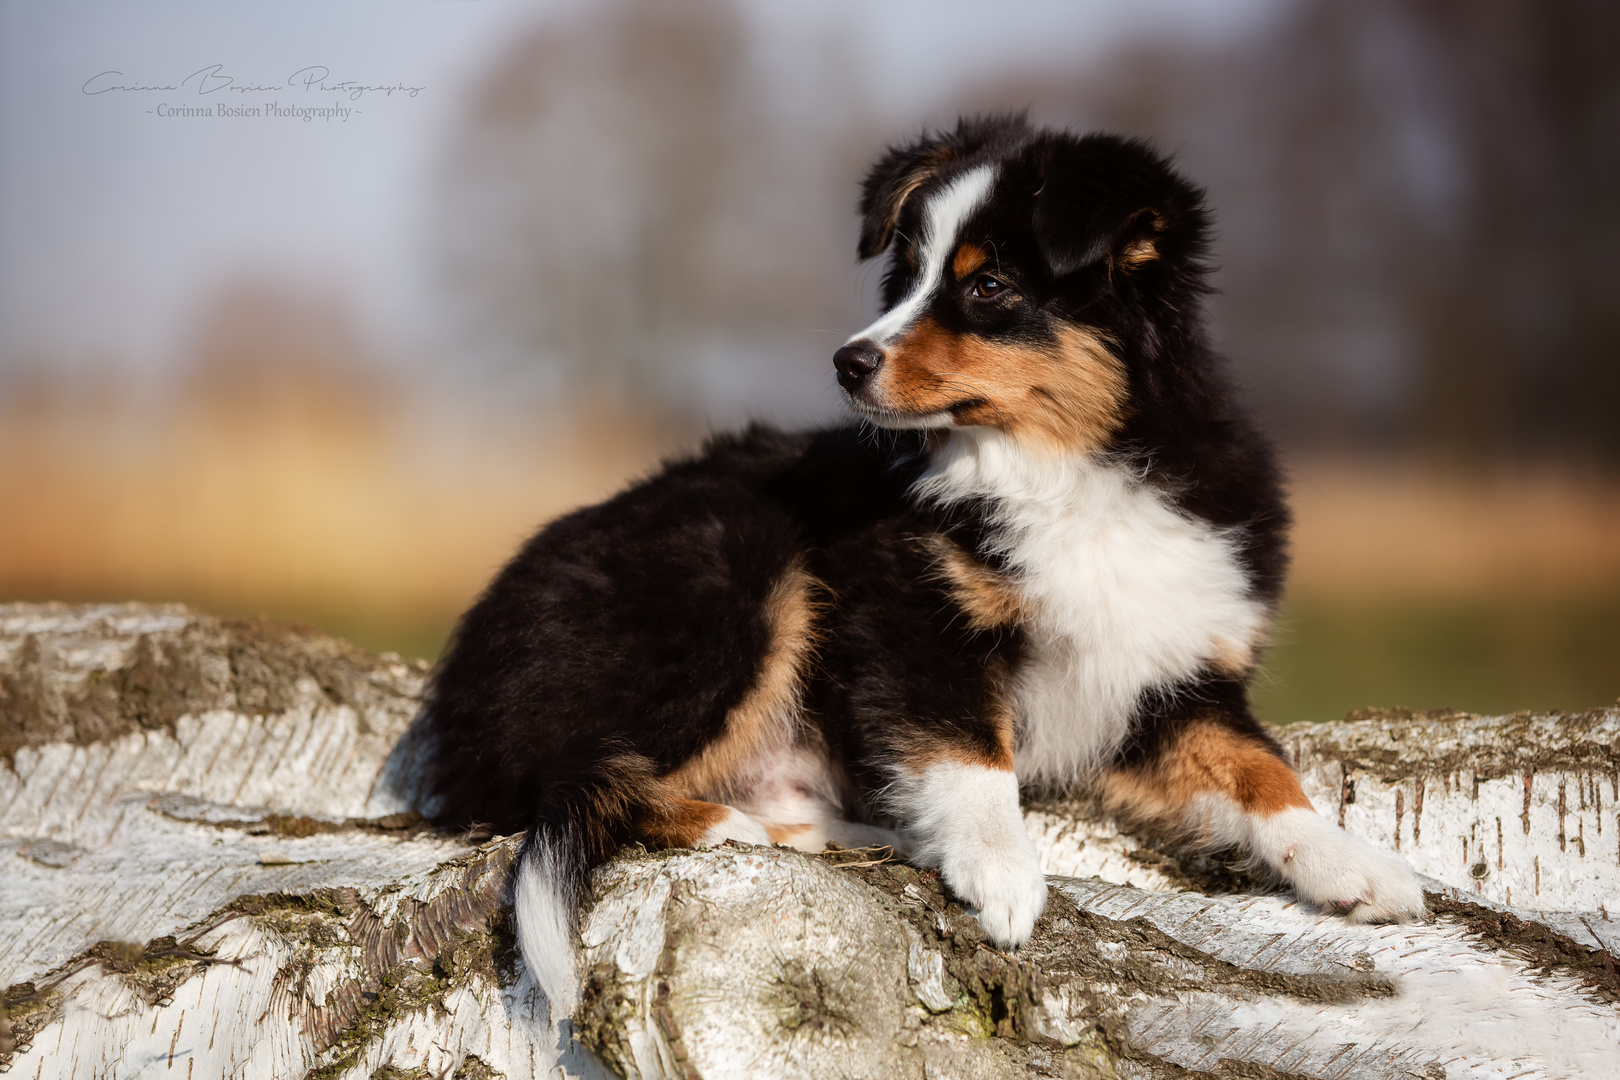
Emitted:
<point x="263" y="350"/>
<point x="619" y="210"/>
<point x="1418" y="206"/>
<point x="1518" y="318"/>
<point x="1419" y="212"/>
<point x="1439" y="205"/>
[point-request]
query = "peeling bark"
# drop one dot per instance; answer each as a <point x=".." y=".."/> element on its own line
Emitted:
<point x="209" y="867"/>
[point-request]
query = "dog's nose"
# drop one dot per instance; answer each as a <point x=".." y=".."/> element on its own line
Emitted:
<point x="855" y="364"/>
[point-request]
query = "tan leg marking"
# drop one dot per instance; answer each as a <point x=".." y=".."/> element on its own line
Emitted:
<point x="990" y="599"/>
<point x="785" y="834"/>
<point x="681" y="822"/>
<point x="768" y="715"/>
<point x="924" y="749"/>
<point x="1206" y="758"/>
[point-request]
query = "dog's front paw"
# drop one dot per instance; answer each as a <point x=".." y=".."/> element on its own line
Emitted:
<point x="1328" y="866"/>
<point x="1004" y="885"/>
<point x="965" y="821"/>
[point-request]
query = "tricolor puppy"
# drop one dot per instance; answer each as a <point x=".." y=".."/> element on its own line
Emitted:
<point x="1049" y="555"/>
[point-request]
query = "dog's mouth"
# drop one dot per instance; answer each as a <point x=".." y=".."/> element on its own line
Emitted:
<point x="886" y="416"/>
<point x="955" y="413"/>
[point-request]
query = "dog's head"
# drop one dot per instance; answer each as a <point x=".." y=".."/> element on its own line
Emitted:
<point x="1035" y="281"/>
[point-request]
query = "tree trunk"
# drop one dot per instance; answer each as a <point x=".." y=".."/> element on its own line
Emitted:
<point x="209" y="868"/>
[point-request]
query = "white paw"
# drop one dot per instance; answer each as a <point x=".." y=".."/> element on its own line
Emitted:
<point x="1328" y="866"/>
<point x="1388" y="890"/>
<point x="964" y="819"/>
<point x="737" y="826"/>
<point x="1003" y="884"/>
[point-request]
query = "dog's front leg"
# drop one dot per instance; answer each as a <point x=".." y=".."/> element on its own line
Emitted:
<point x="1223" y="786"/>
<point x="962" y="817"/>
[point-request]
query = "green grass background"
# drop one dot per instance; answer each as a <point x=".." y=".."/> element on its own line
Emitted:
<point x="1486" y="655"/>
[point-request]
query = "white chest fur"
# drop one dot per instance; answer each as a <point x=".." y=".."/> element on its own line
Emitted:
<point x="1124" y="592"/>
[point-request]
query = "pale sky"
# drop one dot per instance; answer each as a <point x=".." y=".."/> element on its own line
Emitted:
<point x="114" y="220"/>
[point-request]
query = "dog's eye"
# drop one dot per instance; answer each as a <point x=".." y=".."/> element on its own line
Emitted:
<point x="987" y="286"/>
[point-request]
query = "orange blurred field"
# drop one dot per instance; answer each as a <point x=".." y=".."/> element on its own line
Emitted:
<point x="341" y="503"/>
<point x="332" y="504"/>
<point x="1371" y="530"/>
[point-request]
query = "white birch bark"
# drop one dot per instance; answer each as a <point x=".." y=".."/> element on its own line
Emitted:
<point x="207" y="869"/>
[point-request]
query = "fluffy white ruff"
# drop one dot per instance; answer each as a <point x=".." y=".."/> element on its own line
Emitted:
<point x="737" y="826"/>
<point x="545" y="908"/>
<point x="943" y="216"/>
<point x="1125" y="592"/>
<point x="1322" y="863"/>
<point x="964" y="820"/>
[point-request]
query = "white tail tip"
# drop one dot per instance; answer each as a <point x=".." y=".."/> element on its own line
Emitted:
<point x="545" y="907"/>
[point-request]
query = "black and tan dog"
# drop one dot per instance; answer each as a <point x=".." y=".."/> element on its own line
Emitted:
<point x="1050" y="554"/>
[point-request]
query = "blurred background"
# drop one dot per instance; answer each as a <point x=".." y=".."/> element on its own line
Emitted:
<point x="316" y="310"/>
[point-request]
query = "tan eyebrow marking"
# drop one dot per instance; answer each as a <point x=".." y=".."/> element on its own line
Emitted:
<point x="969" y="257"/>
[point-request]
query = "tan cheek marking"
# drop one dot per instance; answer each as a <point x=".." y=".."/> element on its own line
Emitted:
<point x="769" y="714"/>
<point x="1206" y="758"/>
<point x="990" y="600"/>
<point x="969" y="257"/>
<point x="917" y="373"/>
<point x="931" y="368"/>
<point x="1069" y="398"/>
<point x="1084" y="389"/>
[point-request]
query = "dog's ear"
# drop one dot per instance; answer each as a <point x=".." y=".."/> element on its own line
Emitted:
<point x="1103" y="198"/>
<point x="900" y="172"/>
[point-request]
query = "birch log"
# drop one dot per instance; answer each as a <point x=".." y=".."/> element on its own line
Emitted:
<point x="209" y="867"/>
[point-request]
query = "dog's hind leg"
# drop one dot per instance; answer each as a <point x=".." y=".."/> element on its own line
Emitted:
<point x="816" y="832"/>
<point x="694" y="823"/>
<point x="794" y="793"/>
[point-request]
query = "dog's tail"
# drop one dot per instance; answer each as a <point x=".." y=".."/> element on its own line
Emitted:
<point x="551" y="871"/>
<point x="579" y="828"/>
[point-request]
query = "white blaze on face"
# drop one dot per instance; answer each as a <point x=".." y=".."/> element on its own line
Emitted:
<point x="947" y="209"/>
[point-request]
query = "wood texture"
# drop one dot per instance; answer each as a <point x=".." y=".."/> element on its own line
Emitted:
<point x="208" y="868"/>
